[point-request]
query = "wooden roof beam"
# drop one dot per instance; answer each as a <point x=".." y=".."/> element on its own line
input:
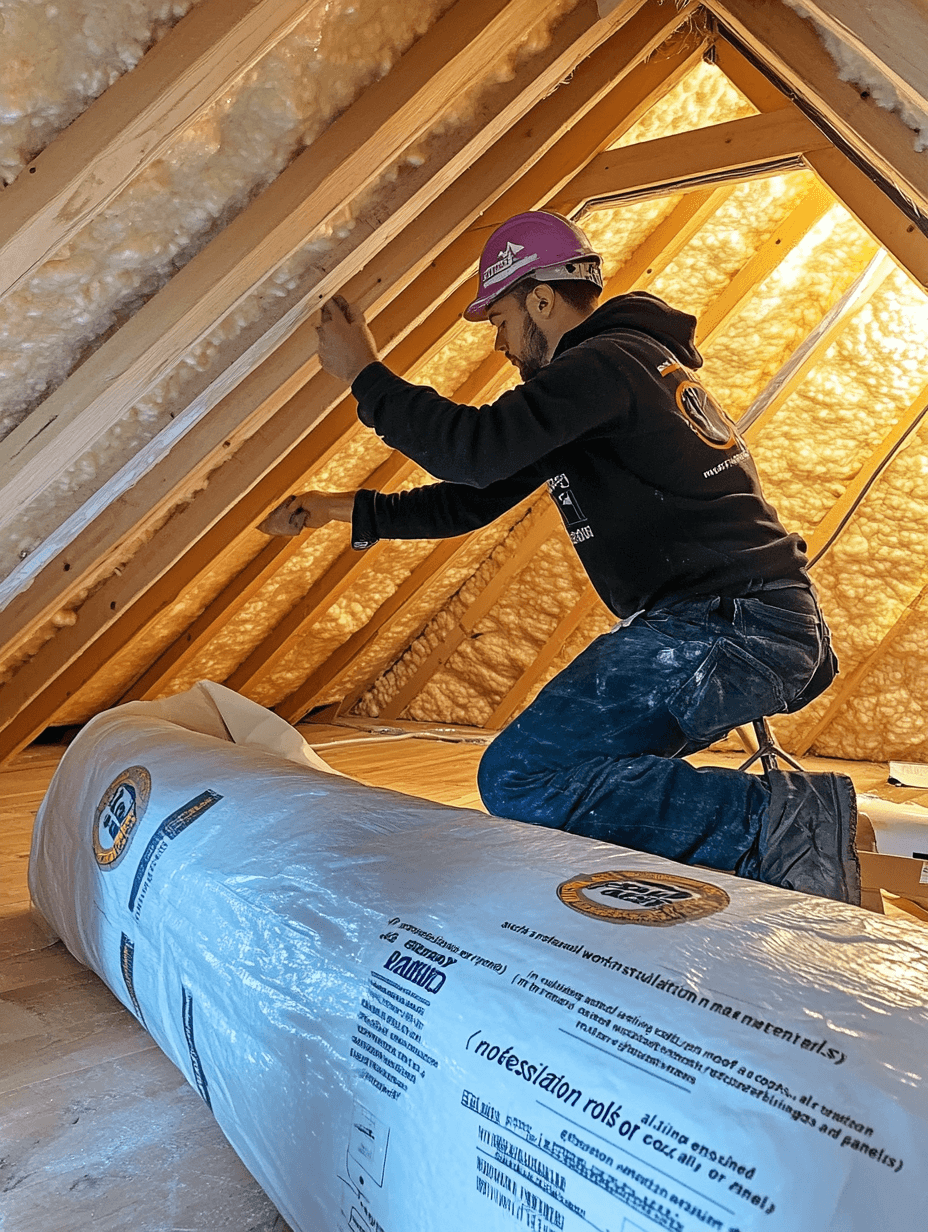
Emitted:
<point x="667" y="240"/>
<point x="351" y="155"/>
<point x="72" y="558"/>
<point x="654" y="167"/>
<point x="323" y="593"/>
<point x="836" y="519"/>
<point x="894" y="37"/>
<point x="566" y="627"/>
<point x="544" y="520"/>
<point x="789" y="48"/>
<point x="133" y="123"/>
<point x="790" y="232"/>
<point x="335" y="428"/>
<point x="813" y="348"/>
<point x="822" y="538"/>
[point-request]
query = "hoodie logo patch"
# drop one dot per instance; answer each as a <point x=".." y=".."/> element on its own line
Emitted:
<point x="699" y="409"/>
<point x="575" y="522"/>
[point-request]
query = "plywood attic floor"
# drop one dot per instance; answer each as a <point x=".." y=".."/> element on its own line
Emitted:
<point x="97" y="1127"/>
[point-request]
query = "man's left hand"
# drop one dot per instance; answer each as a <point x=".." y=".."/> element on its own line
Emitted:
<point x="346" y="345"/>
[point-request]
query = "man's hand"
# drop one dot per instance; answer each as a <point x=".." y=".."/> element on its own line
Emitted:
<point x="308" y="510"/>
<point x="346" y="345"/>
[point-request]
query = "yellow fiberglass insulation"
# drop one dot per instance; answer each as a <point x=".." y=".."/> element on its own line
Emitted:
<point x="704" y="96"/>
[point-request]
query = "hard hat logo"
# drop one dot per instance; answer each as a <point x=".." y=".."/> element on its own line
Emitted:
<point x="535" y="244"/>
<point x="507" y="262"/>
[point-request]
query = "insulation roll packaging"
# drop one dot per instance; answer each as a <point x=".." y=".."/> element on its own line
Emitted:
<point x="408" y="1017"/>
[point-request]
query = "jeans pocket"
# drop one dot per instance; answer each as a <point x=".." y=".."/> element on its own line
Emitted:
<point x="756" y="616"/>
<point x="730" y="687"/>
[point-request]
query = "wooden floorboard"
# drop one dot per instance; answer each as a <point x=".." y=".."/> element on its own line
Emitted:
<point x="99" y="1130"/>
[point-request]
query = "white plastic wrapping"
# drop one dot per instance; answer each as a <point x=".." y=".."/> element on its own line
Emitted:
<point x="407" y="1017"/>
<point x="900" y="829"/>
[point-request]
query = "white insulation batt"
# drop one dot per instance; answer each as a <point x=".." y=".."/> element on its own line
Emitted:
<point x="411" y="1017"/>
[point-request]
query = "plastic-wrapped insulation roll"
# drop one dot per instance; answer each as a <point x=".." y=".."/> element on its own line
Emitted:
<point x="407" y="1017"/>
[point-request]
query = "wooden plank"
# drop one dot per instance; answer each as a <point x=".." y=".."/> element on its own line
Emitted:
<point x="324" y="592"/>
<point x="246" y="584"/>
<point x="77" y="556"/>
<point x="544" y="520"/>
<point x="357" y="148"/>
<point x="890" y="39"/>
<point x="293" y="708"/>
<point x="566" y="627"/>
<point x="833" y="521"/>
<point x="866" y="200"/>
<point x="791" y="48"/>
<point x="719" y="149"/>
<point x="893" y="37"/>
<point x="668" y="239"/>
<point x="813" y="347"/>
<point x="133" y="123"/>
<point x="756" y="87"/>
<point x="791" y="231"/>
<point x="875" y="212"/>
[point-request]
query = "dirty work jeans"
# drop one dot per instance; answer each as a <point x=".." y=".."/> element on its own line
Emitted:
<point x="599" y="751"/>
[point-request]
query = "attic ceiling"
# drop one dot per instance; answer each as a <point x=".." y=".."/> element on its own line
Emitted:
<point x="187" y="183"/>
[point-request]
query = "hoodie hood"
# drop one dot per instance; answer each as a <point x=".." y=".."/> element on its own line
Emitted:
<point x="645" y="313"/>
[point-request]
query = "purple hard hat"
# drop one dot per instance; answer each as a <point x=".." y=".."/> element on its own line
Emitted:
<point x="537" y="245"/>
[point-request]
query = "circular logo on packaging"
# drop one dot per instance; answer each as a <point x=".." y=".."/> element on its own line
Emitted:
<point x="641" y="898"/>
<point x="118" y="813"/>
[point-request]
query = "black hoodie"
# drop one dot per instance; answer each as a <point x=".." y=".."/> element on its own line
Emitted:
<point x="657" y="491"/>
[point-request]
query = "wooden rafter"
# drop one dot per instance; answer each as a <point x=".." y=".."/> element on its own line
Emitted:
<point x="408" y="593"/>
<point x="565" y="629"/>
<point x="789" y="45"/>
<point x="323" y="593"/>
<point x="835" y="519"/>
<point x="79" y="558"/>
<point x="878" y="212"/>
<point x="134" y="122"/>
<point x="813" y="348"/>
<point x="668" y="239"/>
<point x="822" y="538"/>
<point x="337" y="427"/>
<point x="544" y="520"/>
<point x="720" y="149"/>
<point x="893" y="37"/>
<point x="352" y="154"/>
<point x="791" y="231"/>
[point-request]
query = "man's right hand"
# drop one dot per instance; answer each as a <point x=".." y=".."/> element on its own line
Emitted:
<point x="308" y="510"/>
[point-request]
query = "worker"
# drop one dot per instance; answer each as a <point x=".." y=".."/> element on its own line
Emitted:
<point x="717" y="620"/>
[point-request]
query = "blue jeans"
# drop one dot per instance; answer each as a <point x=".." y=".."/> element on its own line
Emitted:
<point x="599" y="752"/>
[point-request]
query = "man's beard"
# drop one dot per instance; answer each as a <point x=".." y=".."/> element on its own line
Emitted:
<point x="536" y="350"/>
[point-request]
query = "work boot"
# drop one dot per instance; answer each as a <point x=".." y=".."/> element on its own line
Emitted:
<point x="807" y="841"/>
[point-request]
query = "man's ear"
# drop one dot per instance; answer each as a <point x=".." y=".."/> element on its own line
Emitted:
<point x="540" y="302"/>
